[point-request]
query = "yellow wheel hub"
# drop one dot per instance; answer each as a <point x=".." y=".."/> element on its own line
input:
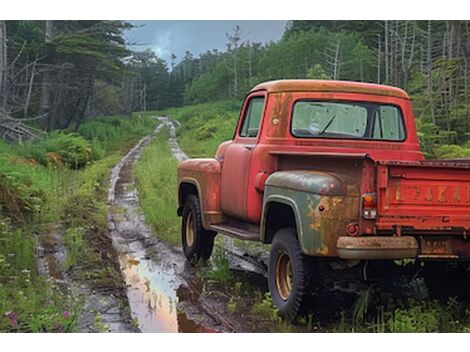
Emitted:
<point x="284" y="276"/>
<point x="189" y="230"/>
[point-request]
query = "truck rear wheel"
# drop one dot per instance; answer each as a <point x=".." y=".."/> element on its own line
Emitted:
<point x="289" y="274"/>
<point x="197" y="242"/>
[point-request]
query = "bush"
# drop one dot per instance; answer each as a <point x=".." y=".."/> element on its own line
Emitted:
<point x="452" y="151"/>
<point x="59" y="148"/>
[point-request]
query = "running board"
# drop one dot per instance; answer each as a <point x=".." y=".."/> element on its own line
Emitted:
<point x="236" y="232"/>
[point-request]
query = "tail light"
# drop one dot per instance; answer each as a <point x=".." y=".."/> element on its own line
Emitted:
<point x="369" y="206"/>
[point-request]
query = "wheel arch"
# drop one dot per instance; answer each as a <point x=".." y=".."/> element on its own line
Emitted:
<point x="187" y="187"/>
<point x="275" y="208"/>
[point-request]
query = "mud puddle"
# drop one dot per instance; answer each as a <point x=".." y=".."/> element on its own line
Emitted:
<point x="156" y="288"/>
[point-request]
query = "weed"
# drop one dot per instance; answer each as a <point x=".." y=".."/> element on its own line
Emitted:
<point x="221" y="272"/>
<point x="264" y="308"/>
<point x="74" y="240"/>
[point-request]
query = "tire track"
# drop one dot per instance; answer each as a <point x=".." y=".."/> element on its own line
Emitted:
<point x="162" y="289"/>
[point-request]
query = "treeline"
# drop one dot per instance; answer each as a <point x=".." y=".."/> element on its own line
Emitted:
<point x="65" y="71"/>
<point x="430" y="59"/>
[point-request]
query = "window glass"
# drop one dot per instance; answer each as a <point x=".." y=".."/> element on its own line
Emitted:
<point x="347" y="120"/>
<point x="388" y="123"/>
<point x="252" y="119"/>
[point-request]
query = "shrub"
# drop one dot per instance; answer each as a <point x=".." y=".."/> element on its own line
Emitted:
<point x="59" y="148"/>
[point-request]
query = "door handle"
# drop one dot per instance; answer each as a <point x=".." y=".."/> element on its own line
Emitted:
<point x="249" y="147"/>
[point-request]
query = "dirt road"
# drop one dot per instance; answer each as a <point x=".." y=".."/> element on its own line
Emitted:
<point x="162" y="289"/>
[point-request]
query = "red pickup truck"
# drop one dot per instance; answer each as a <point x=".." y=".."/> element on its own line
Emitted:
<point x="329" y="169"/>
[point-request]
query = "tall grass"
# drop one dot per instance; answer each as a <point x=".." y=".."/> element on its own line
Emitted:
<point x="36" y="191"/>
<point x="155" y="173"/>
<point x="205" y="126"/>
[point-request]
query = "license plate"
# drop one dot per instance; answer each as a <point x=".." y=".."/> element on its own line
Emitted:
<point x="435" y="246"/>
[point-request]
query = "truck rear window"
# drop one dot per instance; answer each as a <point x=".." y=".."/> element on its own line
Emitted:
<point x="356" y="120"/>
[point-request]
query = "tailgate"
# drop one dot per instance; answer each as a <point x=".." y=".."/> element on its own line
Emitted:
<point x="432" y="196"/>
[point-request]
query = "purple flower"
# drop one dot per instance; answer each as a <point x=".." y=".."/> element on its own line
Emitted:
<point x="13" y="318"/>
<point x="66" y="314"/>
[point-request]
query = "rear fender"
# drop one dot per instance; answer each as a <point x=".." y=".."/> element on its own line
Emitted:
<point x="323" y="205"/>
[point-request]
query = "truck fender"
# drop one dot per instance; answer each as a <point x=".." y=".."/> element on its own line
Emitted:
<point x="322" y="204"/>
<point x="288" y="203"/>
<point x="187" y="186"/>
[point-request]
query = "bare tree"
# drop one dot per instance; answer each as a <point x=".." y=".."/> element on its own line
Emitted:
<point x="333" y="59"/>
<point x="233" y="44"/>
<point x="44" y="106"/>
<point x="3" y="64"/>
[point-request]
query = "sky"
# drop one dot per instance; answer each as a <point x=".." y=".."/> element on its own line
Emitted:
<point x="167" y="37"/>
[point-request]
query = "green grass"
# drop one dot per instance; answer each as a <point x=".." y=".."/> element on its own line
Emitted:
<point x="155" y="173"/>
<point x="37" y="193"/>
<point x="205" y="126"/>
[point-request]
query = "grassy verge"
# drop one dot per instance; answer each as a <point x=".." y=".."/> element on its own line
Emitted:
<point x="61" y="180"/>
<point x="155" y="173"/>
<point x="204" y="126"/>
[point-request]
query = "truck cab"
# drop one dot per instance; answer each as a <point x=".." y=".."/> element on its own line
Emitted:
<point x="329" y="169"/>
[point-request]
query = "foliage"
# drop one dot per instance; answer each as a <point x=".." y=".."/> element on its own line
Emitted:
<point x="27" y="302"/>
<point x="32" y="196"/>
<point x="264" y="307"/>
<point x="74" y="240"/>
<point x="221" y="269"/>
<point x="60" y="148"/>
<point x="208" y="124"/>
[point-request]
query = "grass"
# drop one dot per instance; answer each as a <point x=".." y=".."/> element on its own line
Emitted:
<point x="39" y="190"/>
<point x="155" y="174"/>
<point x="204" y="126"/>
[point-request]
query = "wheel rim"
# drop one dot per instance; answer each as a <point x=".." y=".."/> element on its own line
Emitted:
<point x="189" y="230"/>
<point x="284" y="275"/>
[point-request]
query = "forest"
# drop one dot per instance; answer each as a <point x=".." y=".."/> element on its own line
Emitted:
<point x="59" y="73"/>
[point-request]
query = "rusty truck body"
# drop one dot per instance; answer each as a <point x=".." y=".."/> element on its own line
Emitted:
<point x="328" y="169"/>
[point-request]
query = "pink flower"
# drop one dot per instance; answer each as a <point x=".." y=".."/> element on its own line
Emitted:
<point x="66" y="314"/>
<point x="13" y="318"/>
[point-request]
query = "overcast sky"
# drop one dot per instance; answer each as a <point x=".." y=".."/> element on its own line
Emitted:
<point x="167" y="37"/>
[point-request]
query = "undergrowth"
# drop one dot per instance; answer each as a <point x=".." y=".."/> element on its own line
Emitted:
<point x="60" y="180"/>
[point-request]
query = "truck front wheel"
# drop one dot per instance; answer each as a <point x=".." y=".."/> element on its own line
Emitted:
<point x="289" y="274"/>
<point x="197" y="242"/>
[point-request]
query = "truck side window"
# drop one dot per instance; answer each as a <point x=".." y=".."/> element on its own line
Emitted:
<point x="388" y="124"/>
<point x="252" y="118"/>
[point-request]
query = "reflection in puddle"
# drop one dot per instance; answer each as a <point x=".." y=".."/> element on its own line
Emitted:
<point x="152" y="297"/>
<point x="152" y="293"/>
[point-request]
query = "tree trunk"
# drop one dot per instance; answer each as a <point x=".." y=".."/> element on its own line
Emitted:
<point x="3" y="64"/>
<point x="387" y="77"/>
<point x="30" y="87"/>
<point x="44" y="105"/>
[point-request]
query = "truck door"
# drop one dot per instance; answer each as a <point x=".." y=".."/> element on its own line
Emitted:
<point x="237" y="160"/>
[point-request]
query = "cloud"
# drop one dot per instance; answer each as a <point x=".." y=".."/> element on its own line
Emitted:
<point x="168" y="37"/>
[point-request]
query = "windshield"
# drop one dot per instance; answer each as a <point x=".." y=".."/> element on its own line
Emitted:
<point x="347" y="120"/>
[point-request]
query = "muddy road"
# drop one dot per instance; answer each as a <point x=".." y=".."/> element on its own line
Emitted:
<point x="163" y="291"/>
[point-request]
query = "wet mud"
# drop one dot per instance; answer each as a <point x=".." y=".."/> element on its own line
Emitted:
<point x="104" y="309"/>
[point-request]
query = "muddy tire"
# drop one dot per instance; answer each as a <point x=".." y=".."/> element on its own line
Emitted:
<point x="289" y="274"/>
<point x="197" y="242"/>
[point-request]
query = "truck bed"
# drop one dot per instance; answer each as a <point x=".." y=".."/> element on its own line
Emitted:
<point x="429" y="196"/>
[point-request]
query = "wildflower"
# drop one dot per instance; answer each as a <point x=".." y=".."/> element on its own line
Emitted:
<point x="66" y="314"/>
<point x="12" y="317"/>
